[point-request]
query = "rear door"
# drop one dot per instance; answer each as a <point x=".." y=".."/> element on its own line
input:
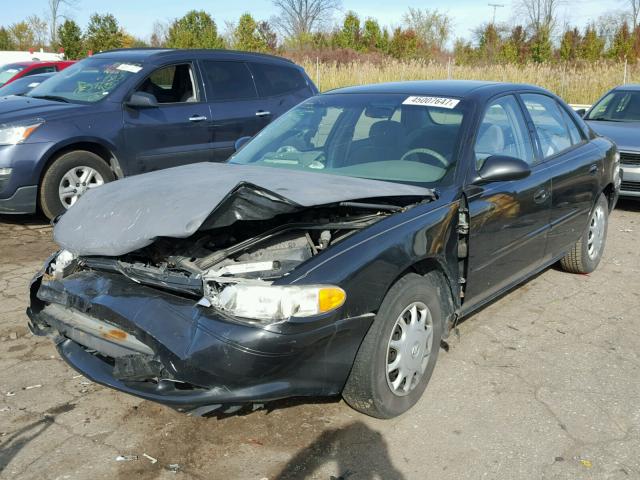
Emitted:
<point x="509" y="220"/>
<point x="575" y="165"/>
<point x="236" y="109"/>
<point x="178" y="130"/>
<point x="282" y="86"/>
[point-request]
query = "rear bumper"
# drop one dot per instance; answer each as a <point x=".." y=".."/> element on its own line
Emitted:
<point x="22" y="201"/>
<point x="630" y="181"/>
<point x="202" y="361"/>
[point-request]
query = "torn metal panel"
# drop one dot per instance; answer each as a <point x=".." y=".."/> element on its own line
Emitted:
<point x="129" y="214"/>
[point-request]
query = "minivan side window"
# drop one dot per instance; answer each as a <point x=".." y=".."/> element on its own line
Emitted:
<point x="276" y="79"/>
<point x="552" y="129"/>
<point x="228" y="81"/>
<point x="503" y="131"/>
<point x="171" y="84"/>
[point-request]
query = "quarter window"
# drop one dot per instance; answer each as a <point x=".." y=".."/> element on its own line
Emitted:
<point x="172" y="84"/>
<point x="551" y="127"/>
<point x="277" y="80"/>
<point x="503" y="131"/>
<point x="228" y="80"/>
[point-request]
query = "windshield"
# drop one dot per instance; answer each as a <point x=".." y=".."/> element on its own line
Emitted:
<point x="87" y="81"/>
<point x="618" y="106"/>
<point x="7" y="72"/>
<point x="391" y="137"/>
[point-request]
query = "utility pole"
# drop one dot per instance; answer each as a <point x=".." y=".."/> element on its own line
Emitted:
<point x="495" y="6"/>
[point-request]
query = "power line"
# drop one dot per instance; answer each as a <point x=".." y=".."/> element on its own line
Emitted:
<point x="495" y="7"/>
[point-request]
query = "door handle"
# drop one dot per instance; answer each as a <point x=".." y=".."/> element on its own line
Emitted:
<point x="197" y="118"/>
<point x="541" y="196"/>
<point x="593" y="169"/>
<point x="262" y="113"/>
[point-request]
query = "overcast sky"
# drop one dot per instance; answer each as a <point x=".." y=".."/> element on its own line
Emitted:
<point x="138" y="16"/>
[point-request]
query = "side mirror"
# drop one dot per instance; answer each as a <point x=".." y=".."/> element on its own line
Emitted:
<point x="241" y="142"/>
<point x="142" y="100"/>
<point x="501" y="168"/>
<point x="581" y="111"/>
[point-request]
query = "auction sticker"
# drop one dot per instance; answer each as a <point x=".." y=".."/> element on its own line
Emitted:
<point x="441" y="102"/>
<point x="128" y="67"/>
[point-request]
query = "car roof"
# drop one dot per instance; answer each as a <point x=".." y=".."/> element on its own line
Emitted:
<point x="162" y="54"/>
<point x="452" y="88"/>
<point x="633" y="87"/>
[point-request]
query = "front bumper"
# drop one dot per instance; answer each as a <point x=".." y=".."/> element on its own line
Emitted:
<point x="199" y="360"/>
<point x="23" y="201"/>
<point x="630" y="180"/>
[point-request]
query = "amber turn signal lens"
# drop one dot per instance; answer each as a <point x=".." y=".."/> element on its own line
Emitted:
<point x="330" y="298"/>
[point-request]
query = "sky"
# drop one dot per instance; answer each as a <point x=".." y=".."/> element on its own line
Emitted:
<point x="138" y="16"/>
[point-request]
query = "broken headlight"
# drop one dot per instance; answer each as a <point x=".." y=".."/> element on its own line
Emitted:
<point x="63" y="264"/>
<point x="276" y="303"/>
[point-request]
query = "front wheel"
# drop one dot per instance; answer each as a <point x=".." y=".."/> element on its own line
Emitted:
<point x="585" y="255"/>
<point x="69" y="177"/>
<point x="398" y="354"/>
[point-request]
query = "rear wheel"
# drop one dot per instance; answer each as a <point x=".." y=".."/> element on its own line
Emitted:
<point x="398" y="354"/>
<point x="69" y="177"/>
<point x="585" y="255"/>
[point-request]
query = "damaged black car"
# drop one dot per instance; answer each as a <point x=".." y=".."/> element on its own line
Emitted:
<point x="332" y="254"/>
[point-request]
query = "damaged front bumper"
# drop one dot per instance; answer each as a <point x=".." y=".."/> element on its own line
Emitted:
<point x="165" y="348"/>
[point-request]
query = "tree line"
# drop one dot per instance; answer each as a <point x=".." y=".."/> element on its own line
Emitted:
<point x="309" y="28"/>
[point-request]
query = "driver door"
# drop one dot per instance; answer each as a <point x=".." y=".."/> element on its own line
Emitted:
<point x="509" y="220"/>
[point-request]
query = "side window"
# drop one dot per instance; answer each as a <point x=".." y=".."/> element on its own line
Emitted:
<point x="503" y="131"/>
<point x="551" y="127"/>
<point x="172" y="84"/>
<point x="574" y="133"/>
<point x="36" y="71"/>
<point x="228" y="81"/>
<point x="277" y="80"/>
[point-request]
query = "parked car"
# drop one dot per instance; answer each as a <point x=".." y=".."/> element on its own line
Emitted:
<point x="24" y="85"/>
<point x="125" y="112"/>
<point x="332" y="253"/>
<point x="7" y="56"/>
<point x="617" y="116"/>
<point x="13" y="71"/>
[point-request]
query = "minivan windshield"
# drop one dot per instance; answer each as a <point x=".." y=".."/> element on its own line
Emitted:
<point x="7" y="72"/>
<point x="392" y="137"/>
<point x="87" y="81"/>
<point x="617" y="106"/>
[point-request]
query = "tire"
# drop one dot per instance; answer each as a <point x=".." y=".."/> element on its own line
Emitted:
<point x="80" y="162"/>
<point x="369" y="388"/>
<point x="585" y="255"/>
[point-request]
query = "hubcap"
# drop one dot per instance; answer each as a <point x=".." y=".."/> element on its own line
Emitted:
<point x="409" y="348"/>
<point x="596" y="232"/>
<point x="77" y="181"/>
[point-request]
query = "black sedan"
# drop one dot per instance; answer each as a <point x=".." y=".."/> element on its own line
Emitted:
<point x="617" y="116"/>
<point x="332" y="254"/>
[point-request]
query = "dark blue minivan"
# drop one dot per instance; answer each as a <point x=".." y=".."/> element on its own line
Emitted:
<point x="125" y="112"/>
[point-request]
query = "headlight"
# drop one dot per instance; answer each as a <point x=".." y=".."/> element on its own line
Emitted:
<point x="63" y="264"/>
<point x="17" y="132"/>
<point x="275" y="303"/>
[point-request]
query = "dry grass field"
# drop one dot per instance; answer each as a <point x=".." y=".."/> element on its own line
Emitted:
<point x="576" y="84"/>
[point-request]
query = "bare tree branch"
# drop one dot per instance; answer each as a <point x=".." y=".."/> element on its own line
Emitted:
<point x="297" y="18"/>
<point x="541" y="15"/>
<point x="55" y="13"/>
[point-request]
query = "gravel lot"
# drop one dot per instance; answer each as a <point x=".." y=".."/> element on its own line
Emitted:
<point x="543" y="383"/>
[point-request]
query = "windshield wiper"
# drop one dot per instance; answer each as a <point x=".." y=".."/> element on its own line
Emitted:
<point x="55" y="98"/>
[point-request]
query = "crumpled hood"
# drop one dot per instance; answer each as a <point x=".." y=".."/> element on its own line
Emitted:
<point x="129" y="214"/>
<point x="15" y="107"/>
<point x="626" y="135"/>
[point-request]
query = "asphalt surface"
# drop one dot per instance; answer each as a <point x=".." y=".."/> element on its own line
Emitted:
<point x="543" y="383"/>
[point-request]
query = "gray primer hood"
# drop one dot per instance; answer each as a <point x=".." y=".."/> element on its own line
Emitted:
<point x="129" y="214"/>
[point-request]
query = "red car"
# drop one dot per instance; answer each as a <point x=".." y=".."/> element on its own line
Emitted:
<point x="13" y="71"/>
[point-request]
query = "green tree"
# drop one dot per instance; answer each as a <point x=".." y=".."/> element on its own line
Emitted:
<point x="592" y="45"/>
<point x="404" y="44"/>
<point x="622" y="45"/>
<point x="103" y="33"/>
<point x="268" y="36"/>
<point x="195" y="30"/>
<point x="570" y="45"/>
<point x="6" y="42"/>
<point x="22" y="35"/>
<point x="541" y="47"/>
<point x="247" y="37"/>
<point x="372" y="35"/>
<point x="70" y="39"/>
<point x="431" y="27"/>
<point x="489" y="43"/>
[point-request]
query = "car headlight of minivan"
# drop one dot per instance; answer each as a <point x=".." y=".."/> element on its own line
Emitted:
<point x="13" y="133"/>
<point x="276" y="303"/>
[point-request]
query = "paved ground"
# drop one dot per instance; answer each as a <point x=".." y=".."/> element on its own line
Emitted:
<point x="544" y="383"/>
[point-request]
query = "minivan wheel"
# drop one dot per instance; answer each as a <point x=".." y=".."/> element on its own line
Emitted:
<point x="69" y="177"/>
<point x="398" y="354"/>
<point x="586" y="253"/>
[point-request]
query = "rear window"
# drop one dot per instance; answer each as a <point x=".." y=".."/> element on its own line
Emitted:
<point x="276" y="79"/>
<point x="228" y="80"/>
